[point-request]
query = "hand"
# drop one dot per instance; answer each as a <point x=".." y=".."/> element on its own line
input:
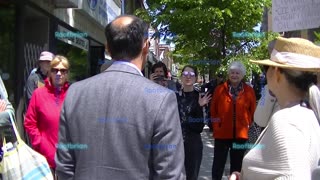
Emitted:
<point x="3" y="105"/>
<point x="204" y="100"/>
<point x="235" y="176"/>
<point x="153" y="76"/>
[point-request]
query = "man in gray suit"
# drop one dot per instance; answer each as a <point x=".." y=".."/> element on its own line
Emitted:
<point x="119" y="125"/>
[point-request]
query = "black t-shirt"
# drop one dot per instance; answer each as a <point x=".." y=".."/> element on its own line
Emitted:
<point x="191" y="113"/>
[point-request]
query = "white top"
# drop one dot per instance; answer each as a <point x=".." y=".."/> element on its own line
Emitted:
<point x="289" y="147"/>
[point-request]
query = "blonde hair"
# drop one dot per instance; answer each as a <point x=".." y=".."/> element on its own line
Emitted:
<point x="59" y="59"/>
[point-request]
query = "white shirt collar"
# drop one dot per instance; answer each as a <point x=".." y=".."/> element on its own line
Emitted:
<point x="129" y="64"/>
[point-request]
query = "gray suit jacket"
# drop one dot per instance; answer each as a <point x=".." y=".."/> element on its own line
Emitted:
<point x="119" y="125"/>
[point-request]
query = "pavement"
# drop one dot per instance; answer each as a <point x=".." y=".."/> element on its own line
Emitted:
<point x="207" y="157"/>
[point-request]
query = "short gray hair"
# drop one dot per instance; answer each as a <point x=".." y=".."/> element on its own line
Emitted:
<point x="239" y="66"/>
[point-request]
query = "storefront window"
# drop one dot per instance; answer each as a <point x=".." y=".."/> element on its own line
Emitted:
<point x="7" y="51"/>
<point x="79" y="67"/>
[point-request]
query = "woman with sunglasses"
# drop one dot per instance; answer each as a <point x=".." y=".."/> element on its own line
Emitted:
<point x="192" y="121"/>
<point x="232" y="107"/>
<point x="42" y="117"/>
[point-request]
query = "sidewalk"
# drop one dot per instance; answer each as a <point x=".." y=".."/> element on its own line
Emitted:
<point x="207" y="158"/>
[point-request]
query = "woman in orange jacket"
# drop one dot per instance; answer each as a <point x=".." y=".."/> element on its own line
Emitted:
<point x="232" y="109"/>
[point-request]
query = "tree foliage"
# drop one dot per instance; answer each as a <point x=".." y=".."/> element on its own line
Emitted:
<point x="317" y="40"/>
<point x="205" y="30"/>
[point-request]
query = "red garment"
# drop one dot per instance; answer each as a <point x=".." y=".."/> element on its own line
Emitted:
<point x="222" y="111"/>
<point x="42" y="119"/>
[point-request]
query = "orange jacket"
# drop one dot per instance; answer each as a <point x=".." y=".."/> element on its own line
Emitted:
<point x="225" y="126"/>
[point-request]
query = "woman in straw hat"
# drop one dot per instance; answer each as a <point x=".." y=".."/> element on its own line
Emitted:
<point x="289" y="147"/>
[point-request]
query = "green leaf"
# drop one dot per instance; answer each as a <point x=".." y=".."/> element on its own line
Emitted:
<point x="204" y="30"/>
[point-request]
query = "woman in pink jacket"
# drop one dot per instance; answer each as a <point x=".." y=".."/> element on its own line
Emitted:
<point x="42" y="118"/>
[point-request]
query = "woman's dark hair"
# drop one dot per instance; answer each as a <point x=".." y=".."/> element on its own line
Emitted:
<point x="191" y="67"/>
<point x="301" y="81"/>
<point x="160" y="65"/>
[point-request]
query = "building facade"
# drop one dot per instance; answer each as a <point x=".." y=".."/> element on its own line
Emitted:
<point x="72" y="28"/>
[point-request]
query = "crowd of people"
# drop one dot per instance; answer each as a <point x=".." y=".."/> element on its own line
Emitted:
<point x="159" y="135"/>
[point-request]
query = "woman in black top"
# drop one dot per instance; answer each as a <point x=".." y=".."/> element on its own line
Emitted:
<point x="192" y="121"/>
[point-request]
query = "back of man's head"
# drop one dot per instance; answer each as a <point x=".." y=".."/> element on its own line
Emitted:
<point x="125" y="36"/>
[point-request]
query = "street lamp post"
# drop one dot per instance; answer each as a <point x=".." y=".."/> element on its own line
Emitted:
<point x="123" y="7"/>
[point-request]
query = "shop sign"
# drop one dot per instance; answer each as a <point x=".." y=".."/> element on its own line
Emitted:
<point x="113" y="10"/>
<point x="66" y="3"/>
<point x="72" y="38"/>
<point x="103" y="11"/>
<point x="291" y="15"/>
<point x="152" y="40"/>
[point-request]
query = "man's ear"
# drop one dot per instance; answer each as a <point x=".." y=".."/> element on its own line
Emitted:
<point x="146" y="46"/>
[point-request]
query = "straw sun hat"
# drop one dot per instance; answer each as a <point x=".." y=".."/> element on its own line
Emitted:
<point x="294" y="53"/>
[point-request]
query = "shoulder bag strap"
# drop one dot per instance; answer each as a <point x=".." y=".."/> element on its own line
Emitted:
<point x="14" y="128"/>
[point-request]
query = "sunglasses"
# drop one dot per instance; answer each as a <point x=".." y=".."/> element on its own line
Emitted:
<point x="187" y="73"/>
<point x="62" y="71"/>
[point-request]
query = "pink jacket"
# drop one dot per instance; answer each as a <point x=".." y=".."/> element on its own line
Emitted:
<point x="42" y="119"/>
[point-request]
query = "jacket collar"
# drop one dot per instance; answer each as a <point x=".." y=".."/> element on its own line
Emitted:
<point x="124" y="67"/>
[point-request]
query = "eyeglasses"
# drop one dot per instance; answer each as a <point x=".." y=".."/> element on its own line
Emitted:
<point x="62" y="71"/>
<point x="187" y="73"/>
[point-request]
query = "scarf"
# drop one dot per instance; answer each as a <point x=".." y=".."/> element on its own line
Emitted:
<point x="234" y="92"/>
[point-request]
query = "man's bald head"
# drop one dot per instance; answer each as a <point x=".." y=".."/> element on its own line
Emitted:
<point x="125" y="36"/>
<point x="123" y="21"/>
